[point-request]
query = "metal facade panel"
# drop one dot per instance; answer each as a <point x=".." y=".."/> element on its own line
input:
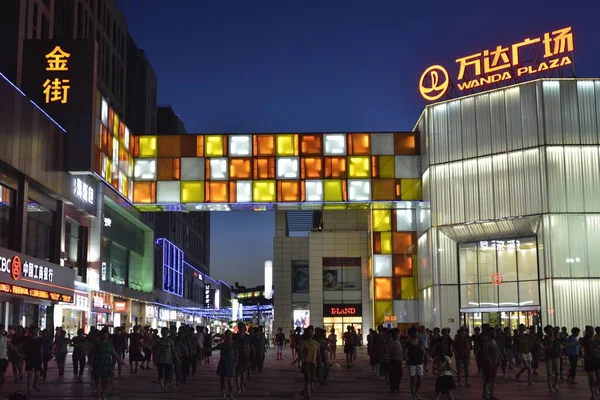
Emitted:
<point x="433" y="189"/>
<point x="570" y="112"/>
<point x="552" y="112"/>
<point x="486" y="188"/>
<point x="514" y="130"/>
<point x="471" y="185"/>
<point x="502" y="196"/>
<point x="588" y="125"/>
<point x="483" y="123"/>
<point x="455" y="141"/>
<point x="443" y="194"/>
<point x="529" y="115"/>
<point x="457" y="212"/>
<point x="431" y="136"/>
<point x="532" y="182"/>
<point x="424" y="141"/>
<point x="574" y="179"/>
<point x="591" y="178"/>
<point x="516" y="179"/>
<point x="557" y="196"/>
<point x="447" y="259"/>
<point x="597" y="91"/>
<point x="425" y="186"/>
<point x="498" y="121"/>
<point x="592" y="233"/>
<point x="440" y="132"/>
<point x="469" y="127"/>
<point x="424" y="257"/>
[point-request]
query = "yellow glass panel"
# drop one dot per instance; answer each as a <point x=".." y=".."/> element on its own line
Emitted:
<point x="116" y="125"/>
<point x="148" y="146"/>
<point x="214" y="146"/>
<point x="359" y="167"/>
<point x="383" y="308"/>
<point x="382" y="220"/>
<point x="386" y="167"/>
<point x="332" y="190"/>
<point x="415" y="263"/>
<point x="192" y="191"/>
<point x="286" y="145"/>
<point x="383" y="288"/>
<point x="408" y="289"/>
<point x="108" y="171"/>
<point x="334" y="207"/>
<point x="410" y="189"/>
<point x="386" y="242"/>
<point x="263" y="191"/>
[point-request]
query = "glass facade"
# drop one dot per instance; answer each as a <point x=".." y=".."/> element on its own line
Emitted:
<point x="40" y="231"/>
<point x="7" y="215"/>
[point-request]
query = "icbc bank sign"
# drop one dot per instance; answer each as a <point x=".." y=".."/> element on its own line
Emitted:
<point x="502" y="64"/>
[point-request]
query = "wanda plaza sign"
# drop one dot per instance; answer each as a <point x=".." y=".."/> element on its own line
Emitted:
<point x="502" y="64"/>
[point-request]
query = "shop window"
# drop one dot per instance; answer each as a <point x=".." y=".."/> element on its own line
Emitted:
<point x="7" y="216"/>
<point x="73" y="249"/>
<point x="39" y="231"/>
<point x="467" y="258"/>
<point x="118" y="264"/>
<point x="469" y="296"/>
<point x="507" y="264"/>
<point x="487" y="263"/>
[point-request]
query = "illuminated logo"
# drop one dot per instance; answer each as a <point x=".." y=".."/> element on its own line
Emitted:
<point x="434" y="82"/>
<point x="496" y="279"/>
<point x="15" y="268"/>
<point x="502" y="64"/>
<point x="343" y="311"/>
<point x="57" y="89"/>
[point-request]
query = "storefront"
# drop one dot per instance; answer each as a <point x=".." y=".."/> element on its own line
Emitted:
<point x="75" y="316"/>
<point x="101" y="312"/>
<point x="340" y="316"/>
<point x="151" y="318"/>
<point x="166" y="317"/>
<point x="135" y="313"/>
<point x="120" y="309"/>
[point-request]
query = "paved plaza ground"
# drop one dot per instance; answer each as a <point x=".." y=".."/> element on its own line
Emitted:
<point x="282" y="381"/>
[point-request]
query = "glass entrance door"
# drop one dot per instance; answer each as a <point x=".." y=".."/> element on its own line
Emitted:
<point x="511" y="319"/>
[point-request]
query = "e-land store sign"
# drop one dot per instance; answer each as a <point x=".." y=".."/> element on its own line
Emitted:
<point x="531" y="57"/>
<point x="27" y="276"/>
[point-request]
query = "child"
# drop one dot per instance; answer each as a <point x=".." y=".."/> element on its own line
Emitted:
<point x="444" y="383"/>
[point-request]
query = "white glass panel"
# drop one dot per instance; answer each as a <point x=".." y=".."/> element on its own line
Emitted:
<point x="527" y="259"/>
<point x="487" y="263"/>
<point x="244" y="191"/>
<point x="335" y="144"/>
<point x="559" y="246"/>
<point x="488" y="295"/>
<point x="467" y="256"/>
<point x="563" y="303"/>
<point x="507" y="264"/>
<point x="192" y="169"/>
<point x="115" y="149"/>
<point x="240" y="145"/>
<point x="529" y="294"/>
<point x="592" y="225"/>
<point x="406" y="311"/>
<point x="126" y="138"/>
<point x="382" y="265"/>
<point x="287" y="168"/>
<point x="574" y="181"/>
<point x="144" y="169"/>
<point x="359" y="189"/>
<point x="508" y="294"/>
<point x="469" y="296"/>
<point x="314" y="190"/>
<point x="218" y="168"/>
<point x="382" y="144"/>
<point x="577" y="244"/>
<point x="557" y="186"/>
<point x="405" y="220"/>
<point x="168" y="192"/>
<point x="104" y="112"/>
<point x="552" y="112"/>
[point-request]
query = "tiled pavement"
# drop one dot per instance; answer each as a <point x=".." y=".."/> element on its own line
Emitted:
<point x="282" y="381"/>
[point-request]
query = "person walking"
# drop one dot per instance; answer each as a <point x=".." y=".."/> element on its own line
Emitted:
<point x="572" y="345"/>
<point x="552" y="352"/>
<point x="102" y="369"/>
<point x="396" y="358"/>
<point x="332" y="344"/>
<point x="15" y="353"/>
<point x="226" y="368"/>
<point x="33" y="352"/>
<point x="119" y="342"/>
<point x="414" y="360"/>
<point x="591" y="358"/>
<point x="165" y="355"/>
<point x="491" y="360"/>
<point x="462" y="353"/>
<point x="242" y="342"/>
<point x="135" y="350"/>
<point x="47" y="352"/>
<point x="61" y="351"/>
<point x="279" y="343"/>
<point x="5" y="347"/>
<point x="309" y="356"/>
<point x="444" y="382"/>
<point x="524" y="343"/>
<point x="80" y="350"/>
<point x="423" y="337"/>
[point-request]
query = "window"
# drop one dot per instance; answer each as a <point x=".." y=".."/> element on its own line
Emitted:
<point x="342" y="280"/>
<point x="7" y="216"/>
<point x="39" y="231"/>
<point x="300" y="280"/>
<point x="72" y="245"/>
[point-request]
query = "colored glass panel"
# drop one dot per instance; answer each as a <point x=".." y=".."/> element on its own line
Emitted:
<point x="192" y="192"/>
<point x="383" y="289"/>
<point x="189" y="145"/>
<point x="314" y="190"/>
<point x="359" y="189"/>
<point x="409" y="288"/>
<point x="359" y="167"/>
<point x="311" y="168"/>
<point x="383" y="189"/>
<point x="216" y="192"/>
<point x="376" y="242"/>
<point x="263" y="191"/>
<point x="287" y="167"/>
<point x="144" y="192"/>
<point x="168" y="192"/>
<point x="335" y="144"/>
<point x="288" y="191"/>
<point x="402" y="264"/>
<point x="397" y="288"/>
<point x="240" y="145"/>
<point x="335" y="167"/>
<point x="410" y="189"/>
<point x="148" y="146"/>
<point x="214" y="146"/>
<point x="265" y="145"/>
<point x="243" y="191"/>
<point x="115" y="126"/>
<point x="405" y="144"/>
<point x="333" y="190"/>
<point x="386" y="243"/>
<point x="359" y="144"/>
<point x="264" y="168"/>
<point x="382" y="220"/>
<point x="286" y="145"/>
<point x="169" y="146"/>
<point x="240" y="168"/>
<point x="383" y="308"/>
<point x="386" y="167"/>
<point x="311" y="144"/>
<point x="404" y="243"/>
<point x="165" y="169"/>
<point x="382" y="266"/>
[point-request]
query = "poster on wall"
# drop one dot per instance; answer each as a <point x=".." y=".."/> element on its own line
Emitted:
<point x="300" y="277"/>
<point x="301" y="318"/>
<point x="341" y="278"/>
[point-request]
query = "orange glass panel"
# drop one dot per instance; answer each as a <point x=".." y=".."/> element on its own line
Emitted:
<point x="397" y="288"/>
<point x="311" y="144"/>
<point x="383" y="288"/>
<point x="359" y="144"/>
<point x="404" y="243"/>
<point x="135" y="149"/>
<point x="216" y="192"/>
<point x="121" y="131"/>
<point x="240" y="168"/>
<point x="311" y="167"/>
<point x="382" y="189"/>
<point x="169" y="146"/>
<point x="288" y="191"/>
<point x="377" y="242"/>
<point x="104" y="139"/>
<point x="264" y="168"/>
<point x="188" y="146"/>
<point x="402" y="265"/>
<point x="165" y="169"/>
<point x="335" y="167"/>
<point x="200" y="146"/>
<point x="405" y="144"/>
<point x="232" y="191"/>
<point x="144" y="192"/>
<point x="397" y="189"/>
<point x="264" y="145"/>
<point x="111" y="118"/>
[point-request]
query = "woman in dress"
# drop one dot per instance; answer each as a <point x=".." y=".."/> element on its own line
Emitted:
<point x="227" y="362"/>
<point x="60" y="351"/>
<point x="164" y="355"/>
<point x="135" y="350"/>
<point x="102" y="369"/>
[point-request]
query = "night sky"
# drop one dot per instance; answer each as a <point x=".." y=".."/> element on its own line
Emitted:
<point x="321" y="66"/>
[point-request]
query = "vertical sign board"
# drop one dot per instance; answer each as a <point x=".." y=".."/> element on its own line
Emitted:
<point x="60" y="77"/>
<point x="207" y="296"/>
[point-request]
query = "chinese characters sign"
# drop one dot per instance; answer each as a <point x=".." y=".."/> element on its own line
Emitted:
<point x="56" y="89"/>
<point x="83" y="191"/>
<point x="502" y="64"/>
<point x="19" y="269"/>
<point x="500" y="245"/>
<point x="207" y="297"/>
<point x="40" y="294"/>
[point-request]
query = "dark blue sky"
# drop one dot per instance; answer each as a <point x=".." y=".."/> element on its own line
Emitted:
<point x="321" y="66"/>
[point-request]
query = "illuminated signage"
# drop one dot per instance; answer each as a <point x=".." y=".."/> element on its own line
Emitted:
<point x="502" y="64"/>
<point x="207" y="302"/>
<point x="37" y="293"/>
<point x="342" y="310"/>
<point x="107" y="222"/>
<point x="163" y="314"/>
<point x="500" y="245"/>
<point x="57" y="88"/>
<point x="390" y="318"/>
<point x="120" y="306"/>
<point x="28" y="269"/>
<point x="83" y="191"/>
<point x="496" y="279"/>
